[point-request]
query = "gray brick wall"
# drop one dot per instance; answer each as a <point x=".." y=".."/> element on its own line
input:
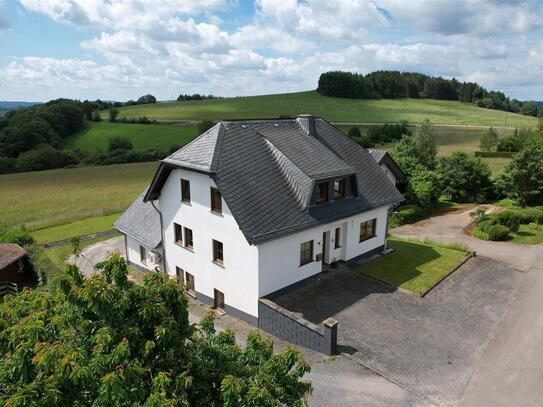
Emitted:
<point x="288" y="326"/>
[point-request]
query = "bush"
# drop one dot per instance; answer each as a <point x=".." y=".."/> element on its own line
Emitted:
<point x="354" y="133"/>
<point x="45" y="157"/>
<point x="7" y="165"/>
<point x="365" y="141"/>
<point x="407" y="214"/>
<point x="479" y="234"/>
<point x="498" y="232"/>
<point x="119" y="143"/>
<point x="494" y="154"/>
<point x="205" y="126"/>
<point x="530" y="215"/>
<point x="511" y="219"/>
<point x="18" y="236"/>
<point x="486" y="224"/>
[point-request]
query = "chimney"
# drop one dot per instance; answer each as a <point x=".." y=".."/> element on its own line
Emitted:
<point x="307" y="122"/>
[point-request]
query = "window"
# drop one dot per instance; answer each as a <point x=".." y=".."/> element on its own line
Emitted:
<point x="185" y="190"/>
<point x="143" y="254"/>
<point x="306" y="252"/>
<point x="322" y="192"/>
<point x="216" y="200"/>
<point x="218" y="253"/>
<point x="367" y="230"/>
<point x="337" y="238"/>
<point x="218" y="299"/>
<point x="178" y="231"/>
<point x="339" y="188"/>
<point x="189" y="282"/>
<point x="188" y="238"/>
<point x="179" y="274"/>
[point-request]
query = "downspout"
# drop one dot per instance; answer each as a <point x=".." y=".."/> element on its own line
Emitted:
<point x="162" y="237"/>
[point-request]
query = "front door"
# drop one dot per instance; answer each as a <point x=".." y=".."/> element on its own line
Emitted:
<point x="324" y="249"/>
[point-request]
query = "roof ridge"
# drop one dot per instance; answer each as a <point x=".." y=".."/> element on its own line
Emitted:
<point x="216" y="159"/>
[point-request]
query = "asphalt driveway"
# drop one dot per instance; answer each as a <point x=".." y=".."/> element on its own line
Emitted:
<point x="429" y="346"/>
<point x="95" y="253"/>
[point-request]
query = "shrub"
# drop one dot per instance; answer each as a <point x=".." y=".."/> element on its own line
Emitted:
<point x="205" y="126"/>
<point x="479" y="234"/>
<point x="354" y="133"/>
<point x="498" y="232"/>
<point x="494" y="154"/>
<point x="18" y="236"/>
<point x="407" y="214"/>
<point x="113" y="113"/>
<point x="530" y="215"/>
<point x="119" y="143"/>
<point x="478" y="215"/>
<point x="486" y="224"/>
<point x="365" y="141"/>
<point x="45" y="157"/>
<point x="7" y="165"/>
<point x="511" y="219"/>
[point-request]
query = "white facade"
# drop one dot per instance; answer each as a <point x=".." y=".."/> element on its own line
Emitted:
<point x="389" y="173"/>
<point x="153" y="257"/>
<point x="249" y="271"/>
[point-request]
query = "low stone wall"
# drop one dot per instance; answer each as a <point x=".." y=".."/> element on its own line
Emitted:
<point x="286" y="325"/>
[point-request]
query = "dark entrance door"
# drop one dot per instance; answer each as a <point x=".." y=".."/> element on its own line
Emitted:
<point x="218" y="300"/>
<point x="324" y="258"/>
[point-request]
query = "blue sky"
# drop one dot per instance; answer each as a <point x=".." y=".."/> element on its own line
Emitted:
<point x="122" y="49"/>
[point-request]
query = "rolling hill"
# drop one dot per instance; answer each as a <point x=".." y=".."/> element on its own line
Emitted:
<point x="332" y="109"/>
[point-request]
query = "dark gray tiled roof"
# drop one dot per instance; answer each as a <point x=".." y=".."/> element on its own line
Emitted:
<point x="266" y="169"/>
<point x="378" y="154"/>
<point x="142" y="222"/>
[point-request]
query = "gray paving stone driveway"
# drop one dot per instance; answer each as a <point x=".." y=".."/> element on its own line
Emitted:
<point x="429" y="345"/>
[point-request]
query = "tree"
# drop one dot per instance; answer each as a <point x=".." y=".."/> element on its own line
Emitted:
<point x="96" y="117"/>
<point x="523" y="176"/>
<point x="510" y="143"/>
<point x="424" y="145"/>
<point x="107" y="341"/>
<point x="424" y="188"/>
<point x="204" y="126"/>
<point x="489" y="140"/>
<point x="146" y="100"/>
<point x="119" y="143"/>
<point x="113" y="113"/>
<point x="529" y="108"/>
<point x="354" y="133"/>
<point x="464" y="178"/>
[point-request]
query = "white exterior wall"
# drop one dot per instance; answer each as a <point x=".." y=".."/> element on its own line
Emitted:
<point x="133" y="254"/>
<point x="238" y="278"/>
<point x="389" y="173"/>
<point x="279" y="260"/>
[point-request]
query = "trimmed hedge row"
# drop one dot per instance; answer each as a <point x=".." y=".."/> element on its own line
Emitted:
<point x="494" y="154"/>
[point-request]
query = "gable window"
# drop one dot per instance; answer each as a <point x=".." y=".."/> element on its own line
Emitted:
<point x="178" y="232"/>
<point x="188" y="238"/>
<point x="337" y="238"/>
<point x="322" y="192"/>
<point x="367" y="229"/>
<point x="185" y="190"/>
<point x="339" y="188"/>
<point x="218" y="253"/>
<point x="306" y="252"/>
<point x="216" y="200"/>
<point x="143" y="254"/>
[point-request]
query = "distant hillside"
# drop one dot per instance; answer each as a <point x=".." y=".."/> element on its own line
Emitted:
<point x="6" y="106"/>
<point x="332" y="109"/>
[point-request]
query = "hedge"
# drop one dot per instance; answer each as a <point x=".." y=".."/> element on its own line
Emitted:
<point x="494" y="154"/>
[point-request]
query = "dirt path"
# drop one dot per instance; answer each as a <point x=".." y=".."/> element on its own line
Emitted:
<point x="450" y="228"/>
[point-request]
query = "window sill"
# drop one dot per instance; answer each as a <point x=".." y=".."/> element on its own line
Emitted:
<point x="365" y="240"/>
<point x="189" y="203"/>
<point x="306" y="263"/>
<point x="190" y="249"/>
<point x="216" y="213"/>
<point x="221" y="265"/>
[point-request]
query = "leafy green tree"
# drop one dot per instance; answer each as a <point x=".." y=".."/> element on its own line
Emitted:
<point x="354" y="133"/>
<point x="105" y="341"/>
<point x="464" y="178"/>
<point x="205" y="125"/>
<point x="113" y="113"/>
<point x="424" y="188"/>
<point x="510" y="143"/>
<point x="19" y="236"/>
<point x="529" y="108"/>
<point x="96" y="117"/>
<point x="425" y="146"/>
<point x="489" y="140"/>
<point x="523" y="176"/>
<point x="146" y="100"/>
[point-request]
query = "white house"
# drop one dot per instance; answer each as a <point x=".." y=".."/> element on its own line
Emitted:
<point x="388" y="165"/>
<point x="251" y="207"/>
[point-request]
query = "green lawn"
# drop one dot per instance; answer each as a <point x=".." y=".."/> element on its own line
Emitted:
<point x="528" y="235"/>
<point x="332" y="109"/>
<point x="415" y="266"/>
<point x="77" y="228"/>
<point x="49" y="198"/>
<point x="94" y="137"/>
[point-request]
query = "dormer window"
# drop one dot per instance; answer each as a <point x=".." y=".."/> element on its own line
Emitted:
<point x="339" y="188"/>
<point x="322" y="192"/>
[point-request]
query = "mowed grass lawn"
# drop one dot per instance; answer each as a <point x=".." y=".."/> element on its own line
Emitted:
<point x="332" y="109"/>
<point x="414" y="266"/>
<point x="77" y="228"/>
<point x="95" y="136"/>
<point x="49" y="198"/>
<point x="527" y="235"/>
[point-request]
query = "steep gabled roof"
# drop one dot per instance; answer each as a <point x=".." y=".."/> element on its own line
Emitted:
<point x="383" y="157"/>
<point x="266" y="171"/>
<point x="142" y="222"/>
<point x="10" y="253"/>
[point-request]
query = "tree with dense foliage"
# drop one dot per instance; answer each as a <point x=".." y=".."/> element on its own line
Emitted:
<point x="105" y="341"/>
<point x="146" y="100"/>
<point x="354" y="133"/>
<point x="205" y="125"/>
<point x="424" y="145"/>
<point x="510" y="143"/>
<point x="424" y="188"/>
<point x="464" y="178"/>
<point x="119" y="143"/>
<point x="523" y="176"/>
<point x="489" y="140"/>
<point x="195" y="96"/>
<point x="113" y="113"/>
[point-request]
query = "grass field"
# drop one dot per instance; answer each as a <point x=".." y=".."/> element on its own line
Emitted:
<point x="77" y="228"/>
<point x="49" y="198"/>
<point x="332" y="109"/>
<point x="94" y="137"/>
<point x="415" y="266"/>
